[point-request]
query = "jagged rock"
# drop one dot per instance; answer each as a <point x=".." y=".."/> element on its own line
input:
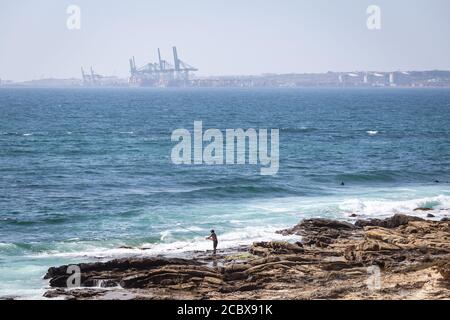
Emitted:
<point x="332" y="262"/>
<point x="321" y="224"/>
<point x="106" y="273"/>
<point x="394" y="222"/>
<point x="54" y="293"/>
<point x="119" y="265"/>
<point x="168" y="275"/>
<point x="375" y="245"/>
<point x="269" y="248"/>
<point x="430" y="215"/>
<point x="423" y="209"/>
<point x="238" y="267"/>
<point x="320" y="232"/>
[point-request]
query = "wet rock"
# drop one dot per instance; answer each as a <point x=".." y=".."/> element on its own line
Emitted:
<point x="54" y="293"/>
<point x="430" y="215"/>
<point x="333" y="262"/>
<point x="320" y="232"/>
<point x="393" y="222"/>
<point x="59" y="275"/>
<point x="9" y="298"/>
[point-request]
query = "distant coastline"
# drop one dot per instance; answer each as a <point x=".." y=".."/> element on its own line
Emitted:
<point x="359" y="79"/>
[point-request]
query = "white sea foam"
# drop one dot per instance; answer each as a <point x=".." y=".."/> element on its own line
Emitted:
<point x="371" y="203"/>
<point x="165" y="234"/>
<point x="385" y="208"/>
<point x="242" y="236"/>
<point x="183" y="239"/>
<point x="22" y="293"/>
<point x="372" y="132"/>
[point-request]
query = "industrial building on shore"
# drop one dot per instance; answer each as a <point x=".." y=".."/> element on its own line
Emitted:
<point x="177" y="73"/>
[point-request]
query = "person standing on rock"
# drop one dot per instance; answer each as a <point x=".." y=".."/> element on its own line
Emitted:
<point x="213" y="238"/>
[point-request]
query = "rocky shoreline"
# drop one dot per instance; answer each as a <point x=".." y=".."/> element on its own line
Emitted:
<point x="402" y="257"/>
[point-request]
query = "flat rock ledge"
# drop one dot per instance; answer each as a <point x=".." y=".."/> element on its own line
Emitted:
<point x="401" y="257"/>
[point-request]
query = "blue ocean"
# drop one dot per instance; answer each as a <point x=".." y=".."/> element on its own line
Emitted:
<point x="86" y="174"/>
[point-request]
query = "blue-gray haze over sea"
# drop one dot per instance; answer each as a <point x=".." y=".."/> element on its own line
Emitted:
<point x="86" y="174"/>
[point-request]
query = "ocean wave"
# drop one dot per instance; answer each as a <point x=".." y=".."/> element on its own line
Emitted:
<point x="225" y="180"/>
<point x="11" y="134"/>
<point x="231" y="239"/>
<point x="370" y="176"/>
<point x="22" y="293"/>
<point x="20" y="248"/>
<point x="37" y="221"/>
<point x="386" y="208"/>
<point x="372" y="132"/>
<point x="240" y="190"/>
<point x="229" y="191"/>
<point x="23" y="134"/>
<point x="299" y="130"/>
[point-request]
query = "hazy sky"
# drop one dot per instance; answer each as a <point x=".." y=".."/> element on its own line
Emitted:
<point x="222" y="37"/>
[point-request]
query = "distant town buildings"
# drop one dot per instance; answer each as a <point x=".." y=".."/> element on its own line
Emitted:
<point x="332" y="79"/>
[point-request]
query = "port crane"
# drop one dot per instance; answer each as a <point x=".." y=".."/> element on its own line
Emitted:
<point x="162" y="72"/>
